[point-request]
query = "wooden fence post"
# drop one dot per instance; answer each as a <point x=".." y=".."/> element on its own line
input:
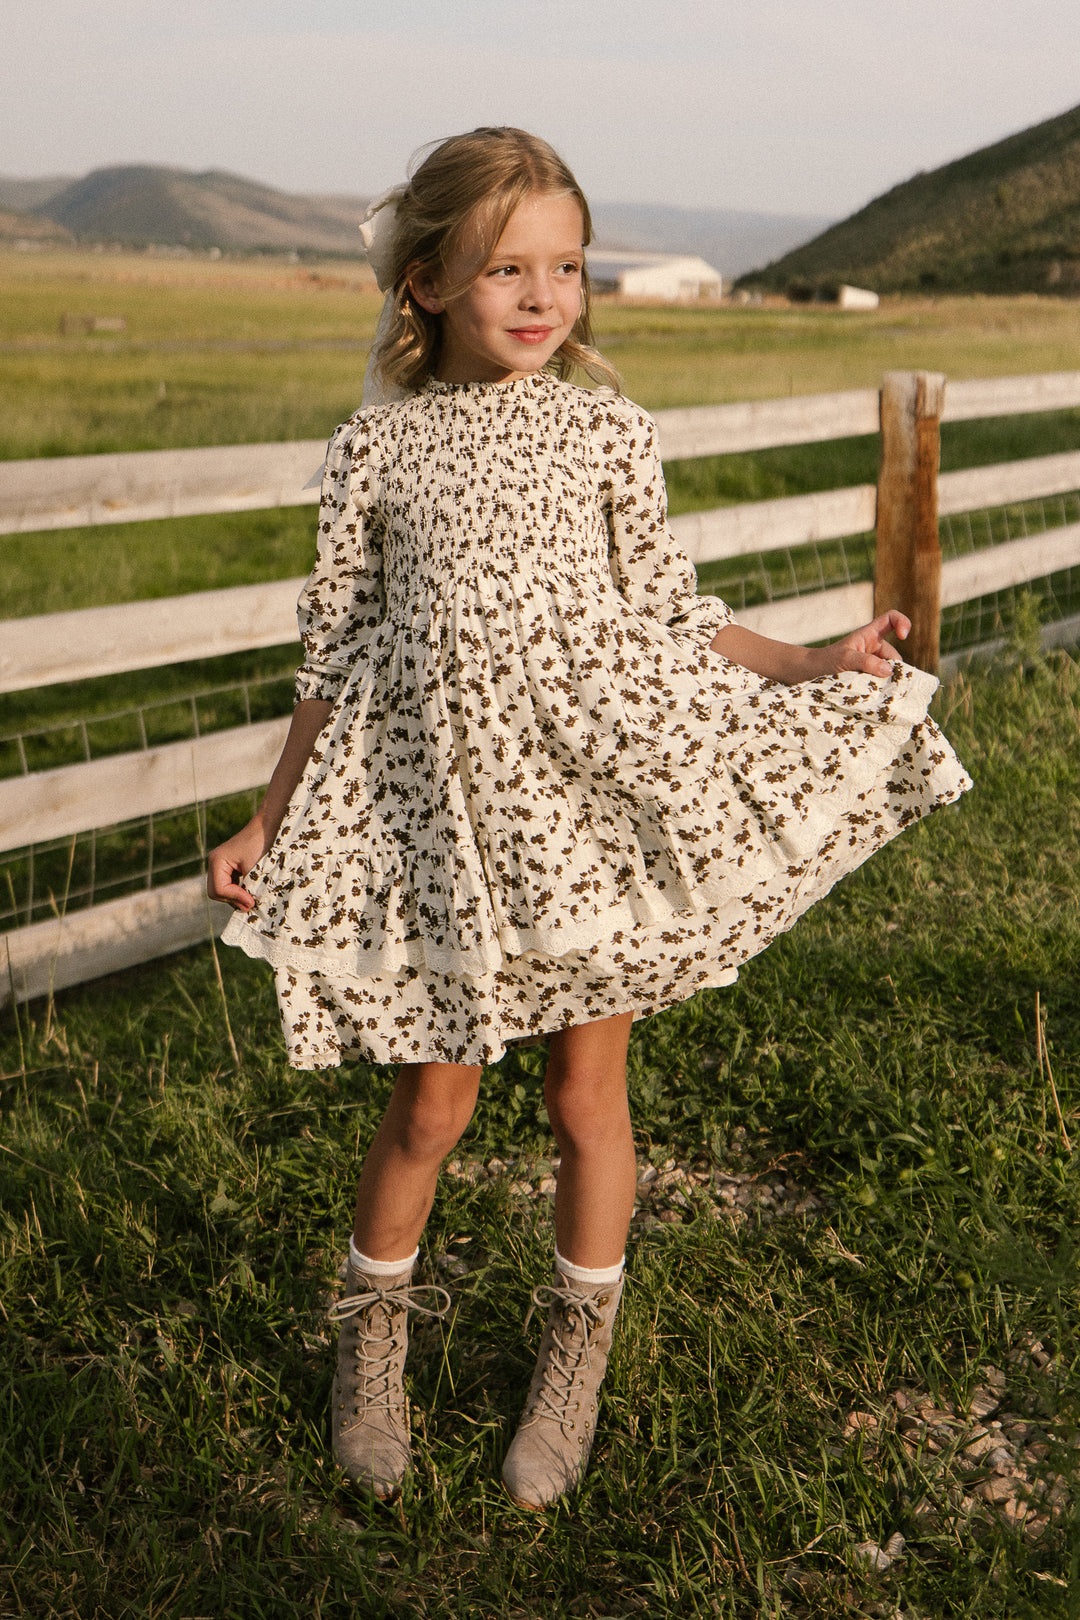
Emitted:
<point x="907" y="571"/>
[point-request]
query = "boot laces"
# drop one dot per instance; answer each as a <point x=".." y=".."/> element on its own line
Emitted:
<point x="379" y="1316"/>
<point x="562" y="1374"/>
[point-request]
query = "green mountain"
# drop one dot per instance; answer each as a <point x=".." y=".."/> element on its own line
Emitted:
<point x="1005" y="219"/>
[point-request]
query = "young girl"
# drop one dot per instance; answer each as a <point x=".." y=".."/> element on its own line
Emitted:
<point x="534" y="785"/>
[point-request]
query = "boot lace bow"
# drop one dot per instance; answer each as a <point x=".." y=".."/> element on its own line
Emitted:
<point x="562" y="1375"/>
<point x="378" y="1316"/>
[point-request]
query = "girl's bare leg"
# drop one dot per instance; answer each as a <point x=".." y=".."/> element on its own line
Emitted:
<point x="585" y="1092"/>
<point x="431" y="1105"/>
<point x="586" y="1100"/>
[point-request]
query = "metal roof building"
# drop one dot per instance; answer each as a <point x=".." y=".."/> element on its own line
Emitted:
<point x="653" y="275"/>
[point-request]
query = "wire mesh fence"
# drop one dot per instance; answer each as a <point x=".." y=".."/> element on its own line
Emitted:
<point x="68" y="874"/>
<point x="968" y="625"/>
<point x="38" y="881"/>
<point x="64" y="875"/>
<point x="176" y="718"/>
<point x="775" y="576"/>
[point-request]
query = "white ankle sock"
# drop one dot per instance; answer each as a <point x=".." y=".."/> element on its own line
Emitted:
<point x="589" y="1275"/>
<point x="379" y="1268"/>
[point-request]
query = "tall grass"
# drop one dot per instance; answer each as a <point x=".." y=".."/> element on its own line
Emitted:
<point x="171" y="1224"/>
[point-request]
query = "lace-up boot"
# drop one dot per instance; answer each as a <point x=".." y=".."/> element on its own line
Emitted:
<point x="551" y="1448"/>
<point x="370" y="1417"/>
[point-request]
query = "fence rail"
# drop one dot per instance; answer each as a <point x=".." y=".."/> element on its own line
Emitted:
<point x="904" y="508"/>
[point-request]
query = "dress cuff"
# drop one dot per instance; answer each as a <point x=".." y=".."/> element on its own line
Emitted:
<point x="702" y="621"/>
<point x="318" y="683"/>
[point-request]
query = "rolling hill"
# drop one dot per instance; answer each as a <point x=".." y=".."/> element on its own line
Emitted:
<point x="32" y="230"/>
<point x="141" y="204"/>
<point x="1004" y="219"/>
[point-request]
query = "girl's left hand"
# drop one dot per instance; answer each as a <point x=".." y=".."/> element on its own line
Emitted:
<point x="865" y="651"/>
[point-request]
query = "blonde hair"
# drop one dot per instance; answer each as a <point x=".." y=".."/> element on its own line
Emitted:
<point x="457" y="205"/>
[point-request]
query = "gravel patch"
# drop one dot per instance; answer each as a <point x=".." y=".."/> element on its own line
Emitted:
<point x="989" y="1458"/>
<point x="669" y="1193"/>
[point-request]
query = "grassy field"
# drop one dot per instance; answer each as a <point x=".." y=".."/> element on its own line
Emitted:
<point x="263" y="350"/>
<point x="784" y="1390"/>
<point x="795" y="1379"/>
<point x="234" y="353"/>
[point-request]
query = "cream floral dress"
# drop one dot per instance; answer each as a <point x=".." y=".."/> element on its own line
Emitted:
<point x="540" y="798"/>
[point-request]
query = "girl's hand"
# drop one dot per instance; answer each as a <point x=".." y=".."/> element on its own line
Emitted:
<point x="865" y="651"/>
<point x="238" y="854"/>
<point x="234" y="859"/>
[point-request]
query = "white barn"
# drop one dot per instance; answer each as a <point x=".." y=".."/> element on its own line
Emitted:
<point x="653" y="275"/>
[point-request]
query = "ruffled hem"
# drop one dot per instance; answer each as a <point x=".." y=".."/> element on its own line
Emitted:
<point x="370" y="906"/>
<point x="403" y="1014"/>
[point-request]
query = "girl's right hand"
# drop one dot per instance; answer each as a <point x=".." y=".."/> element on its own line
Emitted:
<point x="234" y="859"/>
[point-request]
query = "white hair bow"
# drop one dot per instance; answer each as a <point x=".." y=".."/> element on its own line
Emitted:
<point x="377" y="233"/>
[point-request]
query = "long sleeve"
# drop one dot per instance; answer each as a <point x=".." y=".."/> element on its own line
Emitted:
<point x="647" y="563"/>
<point x="343" y="599"/>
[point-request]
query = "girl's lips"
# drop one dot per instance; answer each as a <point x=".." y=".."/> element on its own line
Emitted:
<point x="531" y="334"/>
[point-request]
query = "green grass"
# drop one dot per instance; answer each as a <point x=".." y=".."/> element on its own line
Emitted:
<point x="260" y="351"/>
<point x="170" y="1224"/>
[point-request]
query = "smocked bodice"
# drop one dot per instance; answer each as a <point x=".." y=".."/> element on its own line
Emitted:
<point x="469" y="492"/>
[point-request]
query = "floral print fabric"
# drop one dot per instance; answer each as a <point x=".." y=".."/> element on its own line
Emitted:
<point x="540" y="797"/>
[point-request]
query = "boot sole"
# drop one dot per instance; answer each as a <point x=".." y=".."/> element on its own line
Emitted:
<point x="530" y="1507"/>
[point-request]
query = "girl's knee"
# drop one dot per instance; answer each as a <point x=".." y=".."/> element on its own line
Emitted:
<point x="585" y="1104"/>
<point x="435" y="1110"/>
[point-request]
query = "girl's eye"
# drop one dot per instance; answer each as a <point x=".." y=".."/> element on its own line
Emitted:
<point x="504" y="270"/>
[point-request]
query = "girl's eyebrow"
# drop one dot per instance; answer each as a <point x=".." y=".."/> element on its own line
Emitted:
<point x="502" y="260"/>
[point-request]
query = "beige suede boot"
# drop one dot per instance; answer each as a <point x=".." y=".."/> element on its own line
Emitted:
<point x="370" y="1415"/>
<point x="551" y="1448"/>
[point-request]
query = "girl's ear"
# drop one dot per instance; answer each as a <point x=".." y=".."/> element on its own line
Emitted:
<point x="422" y="288"/>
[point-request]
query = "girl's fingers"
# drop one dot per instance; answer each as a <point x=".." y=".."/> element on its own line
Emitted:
<point x="221" y="884"/>
<point x="231" y="893"/>
<point x="874" y="663"/>
<point x="894" y="621"/>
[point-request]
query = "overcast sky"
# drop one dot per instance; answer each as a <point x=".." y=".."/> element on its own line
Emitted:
<point x="787" y="106"/>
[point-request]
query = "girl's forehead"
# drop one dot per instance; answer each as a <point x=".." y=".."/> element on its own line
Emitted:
<point x="544" y="216"/>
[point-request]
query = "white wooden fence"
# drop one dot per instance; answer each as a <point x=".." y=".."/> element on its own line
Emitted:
<point x="82" y="490"/>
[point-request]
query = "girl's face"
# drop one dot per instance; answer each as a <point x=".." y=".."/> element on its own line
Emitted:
<point x="524" y="303"/>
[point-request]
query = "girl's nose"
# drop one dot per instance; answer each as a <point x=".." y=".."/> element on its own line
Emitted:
<point x="536" y="293"/>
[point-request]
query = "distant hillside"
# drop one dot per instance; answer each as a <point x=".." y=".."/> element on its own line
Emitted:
<point x="15" y="227"/>
<point x="1003" y="219"/>
<point x="729" y="239"/>
<point x="142" y="204"/>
